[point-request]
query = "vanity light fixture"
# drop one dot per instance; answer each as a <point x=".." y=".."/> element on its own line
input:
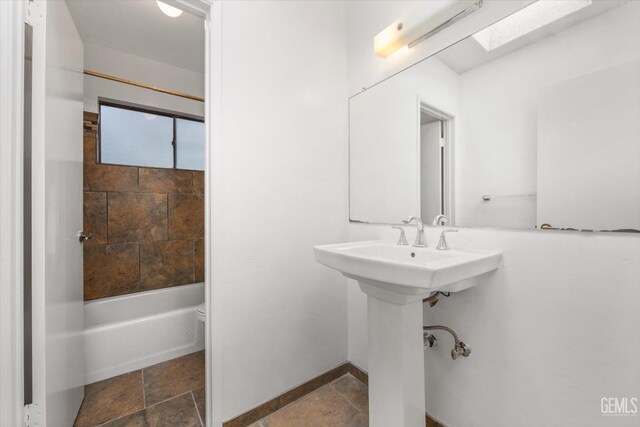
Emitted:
<point x="171" y="11"/>
<point x="526" y="20"/>
<point x="403" y="35"/>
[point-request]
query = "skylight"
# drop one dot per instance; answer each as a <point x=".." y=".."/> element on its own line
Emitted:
<point x="531" y="18"/>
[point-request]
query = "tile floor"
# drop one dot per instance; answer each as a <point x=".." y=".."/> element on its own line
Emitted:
<point x="171" y="394"/>
<point x="168" y="394"/>
<point x="342" y="403"/>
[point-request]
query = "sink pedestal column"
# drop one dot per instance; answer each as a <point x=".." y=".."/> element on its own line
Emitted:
<point x="396" y="359"/>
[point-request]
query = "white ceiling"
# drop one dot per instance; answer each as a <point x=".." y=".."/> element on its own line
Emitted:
<point x="139" y="27"/>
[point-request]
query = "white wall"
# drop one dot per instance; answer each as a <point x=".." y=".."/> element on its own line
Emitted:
<point x="593" y="118"/>
<point x="121" y="64"/>
<point x="552" y="331"/>
<point x="384" y="141"/>
<point x="282" y="181"/>
<point x="498" y="136"/>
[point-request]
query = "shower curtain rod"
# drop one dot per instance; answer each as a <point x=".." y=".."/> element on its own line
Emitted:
<point x="142" y="85"/>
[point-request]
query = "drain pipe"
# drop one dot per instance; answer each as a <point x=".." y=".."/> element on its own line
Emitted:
<point x="459" y="349"/>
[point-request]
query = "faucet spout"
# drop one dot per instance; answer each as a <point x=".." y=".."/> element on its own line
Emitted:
<point x="440" y="220"/>
<point x="421" y="240"/>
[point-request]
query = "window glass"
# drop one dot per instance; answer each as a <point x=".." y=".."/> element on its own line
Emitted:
<point x="135" y="138"/>
<point x="190" y="146"/>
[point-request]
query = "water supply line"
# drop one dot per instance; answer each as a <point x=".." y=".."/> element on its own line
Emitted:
<point x="433" y="298"/>
<point x="459" y="349"/>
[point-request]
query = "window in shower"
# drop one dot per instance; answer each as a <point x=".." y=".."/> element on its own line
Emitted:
<point x="141" y="136"/>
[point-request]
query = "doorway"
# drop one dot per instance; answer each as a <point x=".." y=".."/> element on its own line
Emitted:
<point x="65" y="148"/>
<point x="436" y="163"/>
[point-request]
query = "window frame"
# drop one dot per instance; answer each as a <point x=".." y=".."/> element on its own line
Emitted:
<point x="123" y="105"/>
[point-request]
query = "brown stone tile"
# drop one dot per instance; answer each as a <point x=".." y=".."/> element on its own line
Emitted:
<point x="88" y="116"/>
<point x="186" y="216"/>
<point x="110" y="270"/>
<point x="90" y="150"/>
<point x="173" y="378"/>
<point x="164" y="181"/>
<point x="137" y="217"/>
<point x="95" y="217"/>
<point x="177" y="412"/>
<point x="166" y="263"/>
<point x="110" y="399"/>
<point x="323" y="407"/>
<point x="138" y="419"/>
<point x="354" y="391"/>
<point x="198" y="182"/>
<point x="110" y="178"/>
<point x="198" y="259"/>
<point x="199" y="396"/>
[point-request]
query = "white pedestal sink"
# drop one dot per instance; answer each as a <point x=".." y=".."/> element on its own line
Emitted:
<point x="396" y="279"/>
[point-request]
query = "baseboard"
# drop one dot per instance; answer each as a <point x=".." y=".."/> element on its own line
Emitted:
<point x="271" y="406"/>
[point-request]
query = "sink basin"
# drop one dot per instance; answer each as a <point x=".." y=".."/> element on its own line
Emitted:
<point x="396" y="279"/>
<point x="406" y="270"/>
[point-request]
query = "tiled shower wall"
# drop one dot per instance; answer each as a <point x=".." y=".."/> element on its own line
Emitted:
<point x="148" y="225"/>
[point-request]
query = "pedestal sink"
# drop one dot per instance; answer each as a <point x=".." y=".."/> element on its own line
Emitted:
<point x="396" y="279"/>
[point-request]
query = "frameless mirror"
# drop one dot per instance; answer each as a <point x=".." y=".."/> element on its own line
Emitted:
<point x="533" y="122"/>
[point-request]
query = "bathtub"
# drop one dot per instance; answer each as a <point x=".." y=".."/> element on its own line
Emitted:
<point x="130" y="332"/>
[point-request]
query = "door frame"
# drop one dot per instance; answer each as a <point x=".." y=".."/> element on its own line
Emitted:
<point x="448" y="162"/>
<point x="13" y="15"/>
<point x="211" y="12"/>
<point x="12" y="20"/>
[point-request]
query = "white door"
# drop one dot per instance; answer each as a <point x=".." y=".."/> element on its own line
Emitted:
<point x="57" y="301"/>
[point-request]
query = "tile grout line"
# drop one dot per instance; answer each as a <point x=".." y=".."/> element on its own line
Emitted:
<point x="126" y="415"/>
<point x="168" y="399"/>
<point x="144" y="394"/>
<point x="345" y="397"/>
<point x="144" y="409"/>
<point x="193" y="397"/>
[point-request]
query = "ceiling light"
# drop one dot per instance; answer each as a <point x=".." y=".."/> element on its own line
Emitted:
<point x="529" y="19"/>
<point x="171" y="11"/>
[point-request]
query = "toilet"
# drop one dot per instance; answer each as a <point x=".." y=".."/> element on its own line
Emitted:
<point x="201" y="312"/>
<point x="201" y="315"/>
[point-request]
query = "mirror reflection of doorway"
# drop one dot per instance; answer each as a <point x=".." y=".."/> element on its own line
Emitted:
<point x="434" y="160"/>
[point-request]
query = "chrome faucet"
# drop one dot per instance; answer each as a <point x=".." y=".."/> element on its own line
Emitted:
<point x="442" y="243"/>
<point x="421" y="240"/>
<point x="402" y="241"/>
<point x="440" y="220"/>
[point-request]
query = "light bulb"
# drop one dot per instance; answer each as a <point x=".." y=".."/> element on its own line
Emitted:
<point x="171" y="11"/>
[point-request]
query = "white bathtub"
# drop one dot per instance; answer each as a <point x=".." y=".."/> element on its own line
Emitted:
<point x="129" y="332"/>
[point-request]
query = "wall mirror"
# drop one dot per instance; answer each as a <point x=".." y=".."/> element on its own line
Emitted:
<point x="533" y="122"/>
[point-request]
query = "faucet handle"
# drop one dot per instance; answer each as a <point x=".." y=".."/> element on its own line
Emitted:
<point x="409" y="219"/>
<point x="402" y="241"/>
<point x="440" y="220"/>
<point x="442" y="243"/>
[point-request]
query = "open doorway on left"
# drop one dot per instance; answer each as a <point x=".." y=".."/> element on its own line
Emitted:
<point x="118" y="162"/>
